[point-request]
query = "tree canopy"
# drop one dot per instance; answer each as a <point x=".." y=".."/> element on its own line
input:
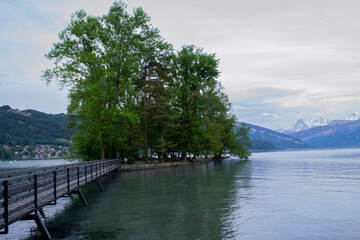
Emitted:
<point x="132" y="96"/>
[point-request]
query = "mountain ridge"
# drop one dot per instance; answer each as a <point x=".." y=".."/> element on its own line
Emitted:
<point x="32" y="127"/>
<point x="268" y="136"/>
<point x="342" y="133"/>
<point x="302" y="125"/>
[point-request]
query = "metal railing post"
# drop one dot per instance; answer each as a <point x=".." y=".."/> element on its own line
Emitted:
<point x="6" y="207"/>
<point x="78" y="177"/>
<point x="85" y="175"/>
<point x="36" y="192"/>
<point x="55" y="193"/>
<point x="68" y="179"/>
<point x="91" y="169"/>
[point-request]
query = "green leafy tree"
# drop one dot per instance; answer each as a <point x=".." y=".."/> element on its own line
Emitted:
<point x="152" y="87"/>
<point x="194" y="72"/>
<point x="129" y="93"/>
<point x="98" y="59"/>
<point x="8" y="154"/>
<point x="239" y="141"/>
<point x="222" y="134"/>
<point x="204" y="111"/>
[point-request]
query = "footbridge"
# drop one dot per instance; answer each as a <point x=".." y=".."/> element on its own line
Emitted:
<point x="23" y="193"/>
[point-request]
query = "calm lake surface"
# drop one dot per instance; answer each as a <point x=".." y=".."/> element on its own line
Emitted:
<point x="9" y="165"/>
<point x="274" y="195"/>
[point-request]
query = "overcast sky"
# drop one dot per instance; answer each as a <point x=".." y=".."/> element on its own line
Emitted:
<point x="280" y="60"/>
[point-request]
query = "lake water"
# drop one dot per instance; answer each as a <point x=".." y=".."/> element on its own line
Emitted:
<point x="274" y="195"/>
<point x="9" y="165"/>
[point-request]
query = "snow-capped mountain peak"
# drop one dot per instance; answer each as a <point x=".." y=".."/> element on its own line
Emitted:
<point x="353" y="117"/>
<point x="302" y="125"/>
<point x="321" y="121"/>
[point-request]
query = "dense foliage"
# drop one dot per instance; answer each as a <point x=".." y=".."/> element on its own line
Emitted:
<point x="30" y="127"/>
<point x="133" y="96"/>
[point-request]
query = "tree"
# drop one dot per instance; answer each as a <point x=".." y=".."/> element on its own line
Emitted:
<point x="152" y="87"/>
<point x="131" y="95"/>
<point x="206" y="124"/>
<point x="194" y="73"/>
<point x="6" y="154"/>
<point x="98" y="59"/>
<point x="239" y="141"/>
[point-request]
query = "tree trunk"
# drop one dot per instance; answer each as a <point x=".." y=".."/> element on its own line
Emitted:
<point x="217" y="156"/>
<point x="184" y="156"/>
<point x="145" y="140"/>
<point x="102" y="150"/>
<point x="150" y="140"/>
<point x="145" y="122"/>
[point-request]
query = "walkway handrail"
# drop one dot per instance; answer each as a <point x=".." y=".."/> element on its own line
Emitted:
<point x="25" y="191"/>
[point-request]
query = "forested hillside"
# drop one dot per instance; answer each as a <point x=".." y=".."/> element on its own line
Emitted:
<point x="32" y="127"/>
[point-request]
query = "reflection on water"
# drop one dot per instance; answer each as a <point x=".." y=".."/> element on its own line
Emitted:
<point x="176" y="203"/>
<point x="279" y="195"/>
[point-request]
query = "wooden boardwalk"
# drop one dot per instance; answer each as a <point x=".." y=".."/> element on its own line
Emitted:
<point x="24" y="192"/>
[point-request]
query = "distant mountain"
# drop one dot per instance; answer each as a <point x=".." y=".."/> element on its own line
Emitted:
<point x="262" y="145"/>
<point x="279" y="140"/>
<point x="337" y="122"/>
<point x="302" y="125"/>
<point x="339" y="133"/>
<point x="353" y="117"/>
<point x="32" y="127"/>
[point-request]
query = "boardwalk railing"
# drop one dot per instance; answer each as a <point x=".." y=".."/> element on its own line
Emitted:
<point x="24" y="192"/>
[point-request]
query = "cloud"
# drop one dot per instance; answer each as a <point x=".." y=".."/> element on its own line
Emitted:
<point x="261" y="95"/>
<point x="27" y="32"/>
<point x="286" y="58"/>
<point x="275" y="107"/>
<point x="253" y="106"/>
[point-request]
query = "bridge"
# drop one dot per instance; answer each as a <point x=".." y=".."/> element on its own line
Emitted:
<point x="23" y="193"/>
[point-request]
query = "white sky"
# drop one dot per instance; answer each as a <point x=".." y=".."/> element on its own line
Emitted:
<point x="280" y="60"/>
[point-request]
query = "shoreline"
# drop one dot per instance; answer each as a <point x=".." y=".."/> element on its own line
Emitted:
<point x="157" y="165"/>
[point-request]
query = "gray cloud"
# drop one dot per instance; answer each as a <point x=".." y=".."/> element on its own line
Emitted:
<point x="279" y="59"/>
